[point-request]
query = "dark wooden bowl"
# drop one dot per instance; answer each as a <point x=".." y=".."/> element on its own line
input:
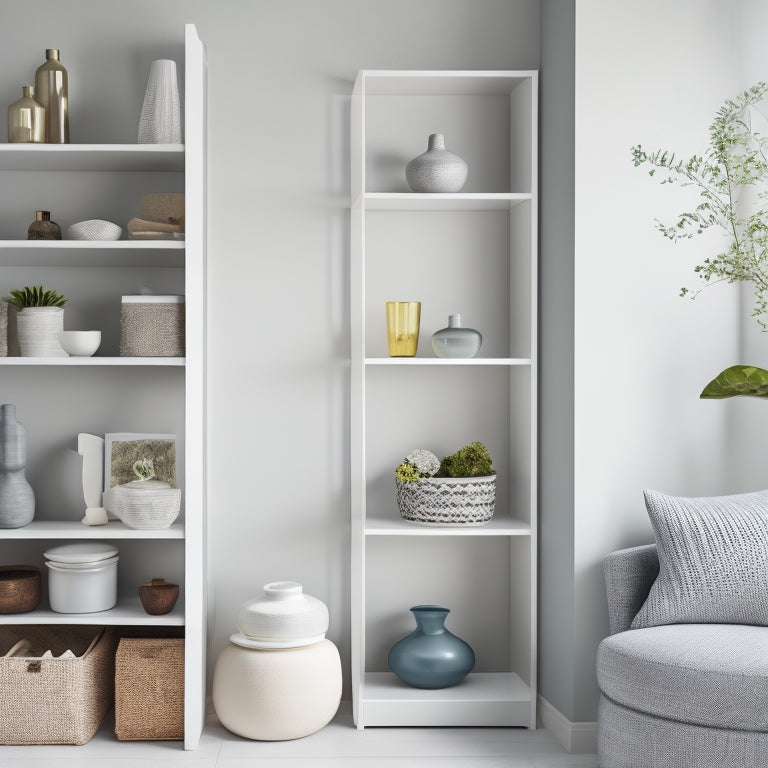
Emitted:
<point x="19" y="588"/>
<point x="158" y="596"/>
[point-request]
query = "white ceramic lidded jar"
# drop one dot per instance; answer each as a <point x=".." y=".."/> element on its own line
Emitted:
<point x="82" y="577"/>
<point x="280" y="678"/>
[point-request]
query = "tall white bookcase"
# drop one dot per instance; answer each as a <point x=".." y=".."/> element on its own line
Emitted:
<point x="56" y="398"/>
<point x="474" y="253"/>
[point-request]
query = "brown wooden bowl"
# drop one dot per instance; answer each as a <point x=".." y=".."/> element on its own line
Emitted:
<point x="19" y="588"/>
<point x="158" y="596"/>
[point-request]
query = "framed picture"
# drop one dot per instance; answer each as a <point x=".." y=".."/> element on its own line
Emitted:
<point x="129" y="456"/>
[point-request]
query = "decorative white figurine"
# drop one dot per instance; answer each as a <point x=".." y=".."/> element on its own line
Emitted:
<point x="91" y="448"/>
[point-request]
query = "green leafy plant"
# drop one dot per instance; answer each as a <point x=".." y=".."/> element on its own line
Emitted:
<point x="737" y="380"/>
<point x="472" y="460"/>
<point x="734" y="162"/>
<point x="35" y="297"/>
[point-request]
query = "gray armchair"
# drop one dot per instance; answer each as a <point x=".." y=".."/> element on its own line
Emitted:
<point x="678" y="695"/>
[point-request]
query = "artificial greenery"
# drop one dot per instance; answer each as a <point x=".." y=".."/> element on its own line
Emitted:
<point x="735" y="161"/>
<point x="738" y="380"/>
<point x="417" y="464"/>
<point x="472" y="460"/>
<point x="35" y="297"/>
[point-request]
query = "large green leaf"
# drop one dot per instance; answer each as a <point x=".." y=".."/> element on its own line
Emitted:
<point x="738" y="380"/>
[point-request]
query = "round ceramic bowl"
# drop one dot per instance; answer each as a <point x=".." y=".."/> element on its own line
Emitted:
<point x="146" y="508"/>
<point x="158" y="596"/>
<point x="94" y="229"/>
<point x="80" y="343"/>
<point x="283" y="614"/>
<point x="19" y="588"/>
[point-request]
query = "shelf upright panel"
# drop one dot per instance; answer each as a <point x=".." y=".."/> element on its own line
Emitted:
<point x="195" y="580"/>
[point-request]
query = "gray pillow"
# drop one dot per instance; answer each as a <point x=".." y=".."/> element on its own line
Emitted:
<point x="713" y="560"/>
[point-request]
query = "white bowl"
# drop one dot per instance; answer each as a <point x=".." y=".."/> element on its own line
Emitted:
<point x="80" y="343"/>
<point x="94" y="229"/>
<point x="150" y="508"/>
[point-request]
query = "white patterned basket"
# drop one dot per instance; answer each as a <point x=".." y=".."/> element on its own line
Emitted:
<point x="448" y="501"/>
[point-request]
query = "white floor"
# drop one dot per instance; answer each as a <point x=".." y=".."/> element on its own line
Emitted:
<point x="338" y="745"/>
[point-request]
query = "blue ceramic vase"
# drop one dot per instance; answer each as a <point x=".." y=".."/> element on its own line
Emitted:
<point x="431" y="656"/>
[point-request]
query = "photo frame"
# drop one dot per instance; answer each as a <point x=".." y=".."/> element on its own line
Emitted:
<point x="123" y="449"/>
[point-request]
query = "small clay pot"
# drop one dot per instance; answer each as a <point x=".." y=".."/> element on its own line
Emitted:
<point x="158" y="596"/>
<point x="19" y="588"/>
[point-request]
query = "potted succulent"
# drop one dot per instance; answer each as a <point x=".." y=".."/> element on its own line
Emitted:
<point x="39" y="321"/>
<point x="460" y="490"/>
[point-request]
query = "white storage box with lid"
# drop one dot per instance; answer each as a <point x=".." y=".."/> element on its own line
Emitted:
<point x="152" y="326"/>
<point x="82" y="577"/>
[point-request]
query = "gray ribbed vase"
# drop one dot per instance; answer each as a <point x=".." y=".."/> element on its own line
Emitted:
<point x="17" y="499"/>
<point x="437" y="170"/>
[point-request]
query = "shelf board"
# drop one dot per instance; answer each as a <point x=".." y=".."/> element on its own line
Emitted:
<point x="90" y="361"/>
<point x="509" y="361"/>
<point x="482" y="699"/>
<point x="128" y="611"/>
<point x="449" y="201"/>
<point x="435" y="82"/>
<point x="391" y="526"/>
<point x="92" y="157"/>
<point x="92" y="253"/>
<point x="74" y="529"/>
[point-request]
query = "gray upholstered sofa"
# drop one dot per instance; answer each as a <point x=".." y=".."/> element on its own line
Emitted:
<point x="677" y="695"/>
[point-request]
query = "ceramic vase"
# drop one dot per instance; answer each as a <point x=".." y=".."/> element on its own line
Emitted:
<point x="52" y="91"/>
<point x="431" y="656"/>
<point x="38" y="330"/>
<point x="42" y="228"/>
<point x="17" y="500"/>
<point x="160" y="121"/>
<point x="437" y="170"/>
<point x="455" y="340"/>
<point x="279" y="678"/>
<point x="26" y="119"/>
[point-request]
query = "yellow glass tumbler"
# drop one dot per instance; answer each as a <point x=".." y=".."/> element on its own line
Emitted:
<point x="403" y="319"/>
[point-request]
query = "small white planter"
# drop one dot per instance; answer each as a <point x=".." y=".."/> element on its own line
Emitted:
<point x="38" y="329"/>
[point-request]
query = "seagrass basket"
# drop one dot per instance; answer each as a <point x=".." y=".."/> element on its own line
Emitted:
<point x="447" y="501"/>
<point x="149" y="689"/>
<point x="54" y="700"/>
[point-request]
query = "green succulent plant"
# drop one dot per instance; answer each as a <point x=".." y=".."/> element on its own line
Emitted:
<point x="35" y="296"/>
<point x="472" y="460"/>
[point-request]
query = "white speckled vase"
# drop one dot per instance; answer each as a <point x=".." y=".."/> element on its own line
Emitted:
<point x="160" y="121"/>
<point x="437" y="170"/>
<point x="17" y="499"/>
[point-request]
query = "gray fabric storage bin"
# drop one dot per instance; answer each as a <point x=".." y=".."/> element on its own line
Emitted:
<point x="152" y="326"/>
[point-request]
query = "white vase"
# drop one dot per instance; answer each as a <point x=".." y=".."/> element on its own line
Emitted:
<point x="38" y="330"/>
<point x="437" y="170"/>
<point x="160" y="121"/>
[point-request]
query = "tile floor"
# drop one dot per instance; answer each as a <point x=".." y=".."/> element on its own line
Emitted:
<point x="338" y="745"/>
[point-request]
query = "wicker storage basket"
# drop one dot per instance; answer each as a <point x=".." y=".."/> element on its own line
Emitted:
<point x="149" y="689"/>
<point x="54" y="701"/>
<point x="448" y="501"/>
<point x="152" y="326"/>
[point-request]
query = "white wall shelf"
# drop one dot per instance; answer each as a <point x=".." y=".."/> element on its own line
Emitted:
<point x="112" y="393"/>
<point x="473" y="252"/>
<point x="76" y="362"/>
<point x="69" y="529"/>
<point x="92" y="157"/>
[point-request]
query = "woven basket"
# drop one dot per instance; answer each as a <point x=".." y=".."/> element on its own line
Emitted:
<point x="54" y="701"/>
<point x="448" y="501"/>
<point x="149" y="689"/>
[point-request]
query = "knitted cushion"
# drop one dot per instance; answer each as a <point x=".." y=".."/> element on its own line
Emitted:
<point x="713" y="560"/>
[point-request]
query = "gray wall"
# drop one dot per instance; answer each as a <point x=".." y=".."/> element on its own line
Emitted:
<point x="280" y="75"/>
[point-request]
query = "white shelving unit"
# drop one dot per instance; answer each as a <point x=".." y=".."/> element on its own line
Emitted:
<point x="473" y="252"/>
<point x="58" y="397"/>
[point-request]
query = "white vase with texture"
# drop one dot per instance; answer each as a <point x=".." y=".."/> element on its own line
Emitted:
<point x="38" y="330"/>
<point x="437" y="169"/>
<point x="17" y="499"/>
<point x="160" y="121"/>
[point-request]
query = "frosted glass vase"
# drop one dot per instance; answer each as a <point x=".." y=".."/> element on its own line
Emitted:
<point x="455" y="340"/>
<point x="17" y="500"/>
<point x="160" y="121"/>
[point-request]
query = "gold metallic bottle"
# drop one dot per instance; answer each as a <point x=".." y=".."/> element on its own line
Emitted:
<point x="51" y="90"/>
<point x="26" y="119"/>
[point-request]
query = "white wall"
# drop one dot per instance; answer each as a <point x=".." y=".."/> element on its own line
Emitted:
<point x="280" y="77"/>
<point x="649" y="72"/>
